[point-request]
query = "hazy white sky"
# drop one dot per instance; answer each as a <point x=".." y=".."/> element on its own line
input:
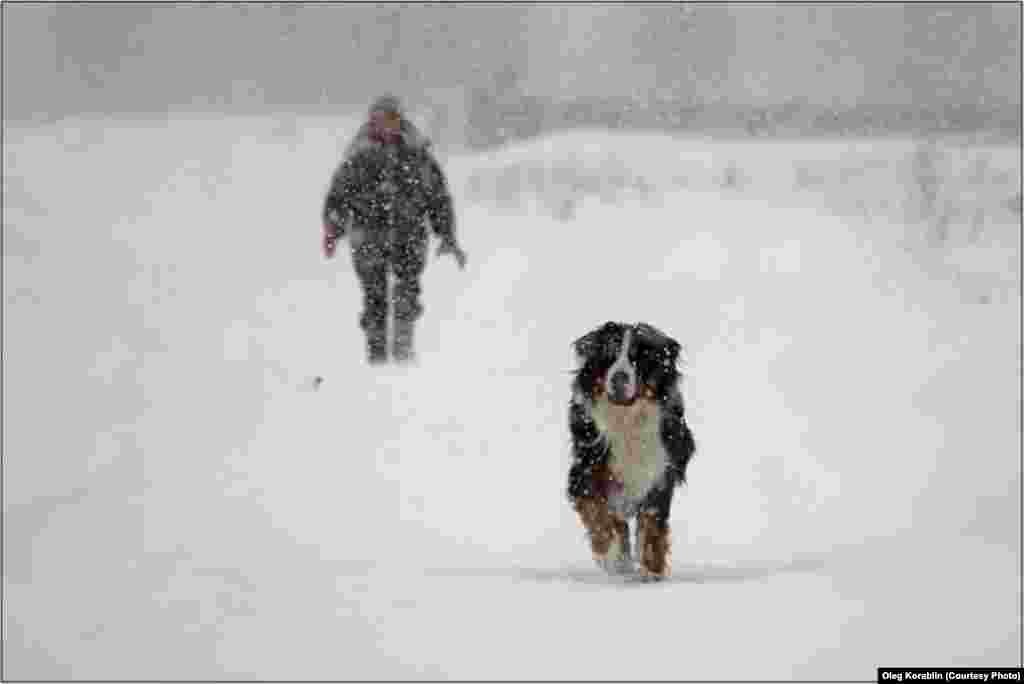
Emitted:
<point x="128" y="57"/>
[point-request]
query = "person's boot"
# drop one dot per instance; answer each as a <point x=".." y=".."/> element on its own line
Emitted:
<point x="376" y="342"/>
<point x="376" y="347"/>
<point x="402" y="347"/>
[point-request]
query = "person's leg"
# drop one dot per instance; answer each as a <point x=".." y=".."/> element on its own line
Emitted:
<point x="408" y="260"/>
<point x="371" y="265"/>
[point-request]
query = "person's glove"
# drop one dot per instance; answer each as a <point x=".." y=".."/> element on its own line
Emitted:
<point x="449" y="247"/>
<point x="334" y="228"/>
<point x="331" y="235"/>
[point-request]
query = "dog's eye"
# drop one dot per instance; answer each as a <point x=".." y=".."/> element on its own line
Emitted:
<point x="648" y="353"/>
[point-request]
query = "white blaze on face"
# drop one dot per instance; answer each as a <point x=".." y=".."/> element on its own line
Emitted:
<point x="622" y="364"/>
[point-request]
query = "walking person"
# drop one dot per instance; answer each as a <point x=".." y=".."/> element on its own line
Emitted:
<point x="387" y="187"/>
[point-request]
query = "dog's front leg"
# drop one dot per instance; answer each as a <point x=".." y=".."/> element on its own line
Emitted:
<point x="608" y="533"/>
<point x="654" y="543"/>
<point x="653" y="534"/>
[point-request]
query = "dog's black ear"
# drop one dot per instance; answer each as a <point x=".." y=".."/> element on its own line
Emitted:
<point x="672" y="349"/>
<point x="586" y="346"/>
<point x="668" y="346"/>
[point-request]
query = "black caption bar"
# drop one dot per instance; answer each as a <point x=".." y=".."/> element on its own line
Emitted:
<point x="979" y="675"/>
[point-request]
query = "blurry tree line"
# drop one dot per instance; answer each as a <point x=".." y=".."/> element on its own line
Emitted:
<point x="491" y="72"/>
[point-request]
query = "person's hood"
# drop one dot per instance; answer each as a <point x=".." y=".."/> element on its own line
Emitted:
<point x="410" y="137"/>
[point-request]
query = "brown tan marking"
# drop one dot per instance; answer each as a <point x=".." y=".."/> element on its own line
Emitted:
<point x="655" y="543"/>
<point x="603" y="527"/>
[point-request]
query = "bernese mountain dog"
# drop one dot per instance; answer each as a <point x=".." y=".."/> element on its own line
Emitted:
<point x="630" y="443"/>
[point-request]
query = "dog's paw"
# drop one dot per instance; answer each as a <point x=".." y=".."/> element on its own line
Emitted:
<point x="646" y="575"/>
<point x="616" y="565"/>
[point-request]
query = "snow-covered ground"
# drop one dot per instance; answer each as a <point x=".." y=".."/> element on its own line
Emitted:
<point x="180" y="502"/>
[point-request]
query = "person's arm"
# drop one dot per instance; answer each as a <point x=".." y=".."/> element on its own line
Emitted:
<point x="337" y="208"/>
<point x="441" y="213"/>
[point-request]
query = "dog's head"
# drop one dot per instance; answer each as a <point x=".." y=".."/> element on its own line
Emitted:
<point x="626" y="362"/>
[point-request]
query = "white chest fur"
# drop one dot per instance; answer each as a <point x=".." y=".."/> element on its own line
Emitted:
<point x="638" y="459"/>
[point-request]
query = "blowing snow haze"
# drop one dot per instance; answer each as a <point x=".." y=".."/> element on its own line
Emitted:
<point x="489" y="73"/>
<point x="203" y="479"/>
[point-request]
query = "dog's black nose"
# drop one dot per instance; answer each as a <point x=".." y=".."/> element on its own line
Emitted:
<point x="619" y="382"/>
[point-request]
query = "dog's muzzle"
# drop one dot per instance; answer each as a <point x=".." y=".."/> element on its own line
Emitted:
<point x="621" y="388"/>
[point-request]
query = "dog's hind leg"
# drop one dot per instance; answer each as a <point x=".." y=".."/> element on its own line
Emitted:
<point x="653" y="535"/>
<point x="608" y="533"/>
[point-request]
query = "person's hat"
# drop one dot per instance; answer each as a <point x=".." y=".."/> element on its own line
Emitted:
<point x="386" y="104"/>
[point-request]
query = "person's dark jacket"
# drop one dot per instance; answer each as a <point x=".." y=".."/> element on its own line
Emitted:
<point x="380" y="186"/>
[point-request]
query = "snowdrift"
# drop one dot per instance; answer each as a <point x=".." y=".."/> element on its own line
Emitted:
<point x="181" y="502"/>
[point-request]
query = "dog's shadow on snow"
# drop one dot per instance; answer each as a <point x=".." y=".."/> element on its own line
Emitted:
<point x="692" y="573"/>
<point x="686" y="573"/>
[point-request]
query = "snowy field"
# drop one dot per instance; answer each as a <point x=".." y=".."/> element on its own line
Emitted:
<point x="181" y="503"/>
